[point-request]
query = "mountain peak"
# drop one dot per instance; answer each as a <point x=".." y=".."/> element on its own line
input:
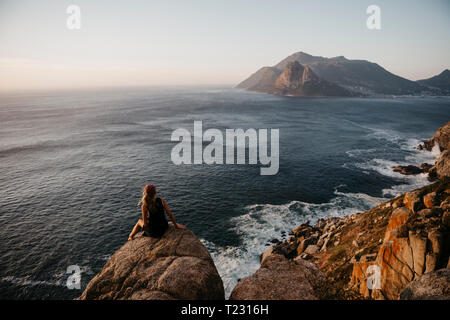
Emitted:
<point x="302" y="53"/>
<point x="301" y="57"/>
<point x="339" y="58"/>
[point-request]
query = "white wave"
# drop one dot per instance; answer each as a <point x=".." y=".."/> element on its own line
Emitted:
<point x="263" y="222"/>
<point x="383" y="134"/>
<point x="358" y="152"/>
<point x="415" y="157"/>
<point x="385" y="166"/>
<point x="421" y="156"/>
<point x="362" y="196"/>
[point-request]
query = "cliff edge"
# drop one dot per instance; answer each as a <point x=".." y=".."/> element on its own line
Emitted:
<point x="176" y="266"/>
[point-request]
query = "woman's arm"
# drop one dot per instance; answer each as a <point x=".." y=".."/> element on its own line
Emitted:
<point x="144" y="215"/>
<point x="172" y="218"/>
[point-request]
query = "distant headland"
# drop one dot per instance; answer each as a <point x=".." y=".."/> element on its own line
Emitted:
<point x="301" y="74"/>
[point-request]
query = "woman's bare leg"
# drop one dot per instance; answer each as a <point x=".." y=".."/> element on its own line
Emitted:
<point x="138" y="227"/>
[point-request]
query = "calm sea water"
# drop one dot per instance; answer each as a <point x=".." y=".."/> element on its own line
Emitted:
<point x="73" y="165"/>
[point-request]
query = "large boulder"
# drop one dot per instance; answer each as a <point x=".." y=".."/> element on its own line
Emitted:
<point x="408" y="170"/>
<point x="398" y="219"/>
<point x="412" y="200"/>
<point x="431" y="286"/>
<point x="281" y="279"/>
<point x="429" y="200"/>
<point x="176" y="266"/>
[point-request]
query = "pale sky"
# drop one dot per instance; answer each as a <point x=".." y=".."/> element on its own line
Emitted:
<point x="144" y="42"/>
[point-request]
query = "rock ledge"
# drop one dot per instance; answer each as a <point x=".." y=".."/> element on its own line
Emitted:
<point x="176" y="266"/>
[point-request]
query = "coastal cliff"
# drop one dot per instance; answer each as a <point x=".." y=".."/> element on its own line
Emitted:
<point x="176" y="266"/>
<point x="397" y="250"/>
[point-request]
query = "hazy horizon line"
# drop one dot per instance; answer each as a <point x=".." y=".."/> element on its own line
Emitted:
<point x="134" y="83"/>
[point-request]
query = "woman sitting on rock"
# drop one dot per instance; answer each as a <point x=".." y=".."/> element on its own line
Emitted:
<point x="153" y="221"/>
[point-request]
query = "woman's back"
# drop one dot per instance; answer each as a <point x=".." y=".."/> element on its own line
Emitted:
<point x="157" y="223"/>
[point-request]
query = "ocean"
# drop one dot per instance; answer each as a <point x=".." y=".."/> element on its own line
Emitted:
<point x="73" y="164"/>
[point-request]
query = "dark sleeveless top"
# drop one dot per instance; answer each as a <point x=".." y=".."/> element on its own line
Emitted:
<point x="157" y="223"/>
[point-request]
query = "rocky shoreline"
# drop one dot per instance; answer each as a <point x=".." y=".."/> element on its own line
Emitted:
<point x="440" y="169"/>
<point x="398" y="250"/>
<point x="404" y="243"/>
<point x="406" y="237"/>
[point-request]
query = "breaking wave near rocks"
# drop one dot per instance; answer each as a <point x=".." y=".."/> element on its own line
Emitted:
<point x="263" y="222"/>
<point x="382" y="161"/>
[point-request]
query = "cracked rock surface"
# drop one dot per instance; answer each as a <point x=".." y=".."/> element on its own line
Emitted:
<point x="176" y="266"/>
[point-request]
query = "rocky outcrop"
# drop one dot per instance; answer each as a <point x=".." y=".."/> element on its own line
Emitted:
<point x="371" y="255"/>
<point x="293" y="79"/>
<point x="176" y="266"/>
<point x="441" y="168"/>
<point x="441" y="138"/>
<point x="430" y="286"/>
<point x="416" y="242"/>
<point x="281" y="279"/>
<point x="412" y="170"/>
<point x="298" y="80"/>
